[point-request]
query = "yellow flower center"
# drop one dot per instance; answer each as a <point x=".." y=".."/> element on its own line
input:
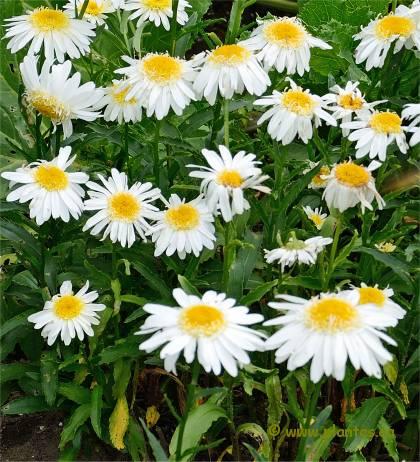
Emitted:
<point x="316" y="219"/>
<point x="299" y="102"/>
<point x="162" y="68"/>
<point x="332" y="315"/>
<point x="230" y="178"/>
<point x="68" y="307"/>
<point x="349" y="101"/>
<point x="123" y="206"/>
<point x="285" y="33"/>
<point x="51" y="178"/>
<point x="48" y="19"/>
<point x="119" y="94"/>
<point x="386" y="247"/>
<point x="94" y="8"/>
<point x="352" y="175"/>
<point x="48" y="105"/>
<point x="157" y="4"/>
<point x="229" y="55"/>
<point x="371" y="295"/>
<point x="317" y="181"/>
<point x="394" y="25"/>
<point x="183" y="218"/>
<point x="202" y="320"/>
<point x="385" y="122"/>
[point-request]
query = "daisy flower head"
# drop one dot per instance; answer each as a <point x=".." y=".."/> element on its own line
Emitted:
<point x="225" y="180"/>
<point x="412" y="112"/>
<point x="401" y="28"/>
<point x="160" y="82"/>
<point x="55" y="30"/>
<point x="159" y="12"/>
<point x="386" y="247"/>
<point x="184" y="227"/>
<point x="117" y="106"/>
<point x="285" y="44"/>
<point x="349" y="183"/>
<point x="297" y="251"/>
<point x="375" y="131"/>
<point x="316" y="216"/>
<point x="51" y="191"/>
<point x="95" y="12"/>
<point x="68" y="314"/>
<point x="294" y="112"/>
<point x="229" y="69"/>
<point x="57" y="96"/>
<point x="328" y="329"/>
<point x="121" y="210"/>
<point x="318" y="181"/>
<point x="212" y="328"/>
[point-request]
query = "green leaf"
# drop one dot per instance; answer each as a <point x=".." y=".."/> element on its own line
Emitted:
<point x="26" y="405"/>
<point x="96" y="409"/>
<point x="128" y="298"/>
<point x="26" y="279"/>
<point x="275" y="407"/>
<point x="17" y="321"/>
<point x="14" y="371"/>
<point x="256" y="432"/>
<point x="153" y="278"/>
<point x="157" y="449"/>
<point x="388" y="437"/>
<point x="254" y="453"/>
<point x="74" y="392"/>
<point x="122" y="374"/>
<point x="319" y="445"/>
<point x="118" y="351"/>
<point x="49" y="375"/>
<point x="357" y="457"/>
<point x="77" y="419"/>
<point x="187" y="286"/>
<point x="255" y="295"/>
<point x="136" y="445"/>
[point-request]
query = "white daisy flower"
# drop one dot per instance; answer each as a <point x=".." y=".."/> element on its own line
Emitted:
<point x="54" y="29"/>
<point x="160" y="82"/>
<point x="57" y="96"/>
<point x="184" y="227"/>
<point x="285" y="44"/>
<point x="118" y="4"/>
<point x="122" y="210"/>
<point x="349" y="183"/>
<point x="318" y="181"/>
<point x="316" y="216"/>
<point x="401" y="27"/>
<point x="294" y="112"/>
<point x="68" y="314"/>
<point x="95" y="12"/>
<point x="117" y="106"/>
<point x="224" y="182"/>
<point x="412" y="112"/>
<point x="211" y="328"/>
<point x="157" y="11"/>
<point x="386" y="247"/>
<point x="328" y="329"/>
<point x="51" y="190"/>
<point x="297" y="251"/>
<point x="374" y="132"/>
<point x="229" y="69"/>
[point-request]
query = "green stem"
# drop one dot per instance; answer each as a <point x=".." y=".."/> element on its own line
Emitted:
<point x="233" y="432"/>
<point x="238" y="8"/>
<point x="394" y="5"/>
<point x="125" y="159"/>
<point x="38" y="137"/>
<point x="174" y="25"/>
<point x="228" y="253"/>
<point x="156" y="153"/>
<point x="82" y="10"/>
<point x="226" y="121"/>
<point x="333" y="253"/>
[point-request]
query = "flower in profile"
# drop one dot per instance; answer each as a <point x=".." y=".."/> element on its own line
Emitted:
<point x="328" y="329"/>
<point x="51" y="190"/>
<point x="117" y="106"/>
<point x="401" y="27"/>
<point x="212" y="328"/>
<point x="316" y="216"/>
<point x="157" y="11"/>
<point x="349" y="183"/>
<point x="285" y="44"/>
<point x="374" y="132"/>
<point x="386" y="247"/>
<point x="412" y="112"/>
<point x="68" y="314"/>
<point x="121" y="210"/>
<point x="229" y="69"/>
<point x="297" y="251"/>
<point x="53" y="29"/>
<point x="224" y="182"/>
<point x="294" y="112"/>
<point x="160" y="82"/>
<point x="57" y="96"/>
<point x="96" y="10"/>
<point x="184" y="227"/>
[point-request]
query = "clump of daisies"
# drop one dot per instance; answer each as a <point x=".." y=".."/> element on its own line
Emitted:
<point x="285" y="44"/>
<point x="96" y="10"/>
<point x="412" y="112"/>
<point x="51" y="191"/>
<point x="294" y="112"/>
<point x="226" y="179"/>
<point x="68" y="314"/>
<point x="211" y="328"/>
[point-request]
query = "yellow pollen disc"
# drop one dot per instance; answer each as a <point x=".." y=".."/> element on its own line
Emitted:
<point x="316" y="219"/>
<point x="158" y="4"/>
<point x="371" y="295"/>
<point x="68" y="307"/>
<point x="317" y="180"/>
<point x="299" y="102"/>
<point x="394" y="25"/>
<point x="352" y="175"/>
<point x="94" y="8"/>
<point x="123" y="206"/>
<point x="202" y="320"/>
<point x="385" y="122"/>
<point x="162" y="68"/>
<point x="332" y="315"/>
<point x="48" y="20"/>
<point x="118" y="94"/>
<point x="51" y="178"/>
<point x="386" y="247"/>
<point x="48" y="105"/>
<point x="285" y="33"/>
<point x="183" y="218"/>
<point x="229" y="55"/>
<point x="230" y="178"/>
<point x="349" y="101"/>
